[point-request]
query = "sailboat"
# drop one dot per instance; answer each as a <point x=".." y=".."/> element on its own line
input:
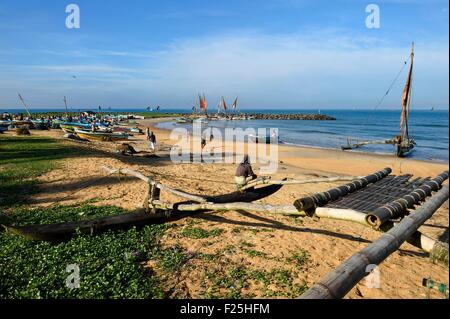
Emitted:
<point x="403" y="142"/>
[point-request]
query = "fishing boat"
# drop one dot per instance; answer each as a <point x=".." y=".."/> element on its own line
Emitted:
<point x="69" y="127"/>
<point x="183" y="120"/>
<point x="101" y="136"/>
<point x="4" y="126"/>
<point x="5" y="123"/>
<point x="65" y="231"/>
<point x="403" y="142"/>
<point x="134" y="130"/>
<point x="18" y="123"/>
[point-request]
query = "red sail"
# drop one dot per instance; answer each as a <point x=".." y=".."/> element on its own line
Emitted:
<point x="406" y="94"/>
<point x="235" y="103"/>
<point x="224" y="104"/>
<point x="203" y="103"/>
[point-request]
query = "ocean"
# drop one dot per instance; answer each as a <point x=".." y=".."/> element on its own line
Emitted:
<point x="430" y="129"/>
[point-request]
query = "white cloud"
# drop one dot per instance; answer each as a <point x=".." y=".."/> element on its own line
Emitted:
<point x="323" y="69"/>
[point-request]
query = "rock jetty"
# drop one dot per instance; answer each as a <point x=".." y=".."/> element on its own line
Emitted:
<point x="298" y="116"/>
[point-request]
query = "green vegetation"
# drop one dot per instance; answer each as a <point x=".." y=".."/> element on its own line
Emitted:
<point x="110" y="264"/>
<point x="254" y="230"/>
<point x="22" y="159"/>
<point x="57" y="214"/>
<point x="171" y="259"/>
<point x="199" y="233"/>
<point x="231" y="282"/>
<point x="254" y="253"/>
<point x="299" y="258"/>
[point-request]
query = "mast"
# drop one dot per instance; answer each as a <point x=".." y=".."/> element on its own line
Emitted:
<point x="23" y="102"/>
<point x="65" y="103"/>
<point x="406" y="99"/>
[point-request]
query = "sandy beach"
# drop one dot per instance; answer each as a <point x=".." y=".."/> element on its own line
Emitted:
<point x="326" y="242"/>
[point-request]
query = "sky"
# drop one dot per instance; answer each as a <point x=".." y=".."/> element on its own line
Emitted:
<point x="277" y="54"/>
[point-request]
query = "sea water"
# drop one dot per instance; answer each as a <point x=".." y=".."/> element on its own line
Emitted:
<point x="430" y="130"/>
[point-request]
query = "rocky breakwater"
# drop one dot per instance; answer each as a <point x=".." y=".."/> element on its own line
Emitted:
<point x="298" y="116"/>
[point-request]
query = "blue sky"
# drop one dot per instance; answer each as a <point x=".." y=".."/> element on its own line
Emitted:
<point x="272" y="54"/>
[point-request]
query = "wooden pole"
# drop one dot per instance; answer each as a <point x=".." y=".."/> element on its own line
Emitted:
<point x="340" y="281"/>
<point x="269" y="181"/>
<point x="144" y="178"/>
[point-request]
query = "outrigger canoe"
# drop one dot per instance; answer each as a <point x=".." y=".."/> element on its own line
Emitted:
<point x="101" y="136"/>
<point x="65" y="231"/>
<point x="69" y="127"/>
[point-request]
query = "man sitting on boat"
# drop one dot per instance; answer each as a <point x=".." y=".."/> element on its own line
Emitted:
<point x="244" y="173"/>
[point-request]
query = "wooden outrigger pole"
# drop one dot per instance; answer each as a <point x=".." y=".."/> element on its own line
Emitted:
<point x="404" y="143"/>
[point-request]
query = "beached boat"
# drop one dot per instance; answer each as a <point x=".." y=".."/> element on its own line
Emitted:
<point x="5" y="124"/>
<point x="101" y="136"/>
<point x="64" y="231"/>
<point x="403" y="142"/>
<point x="70" y="128"/>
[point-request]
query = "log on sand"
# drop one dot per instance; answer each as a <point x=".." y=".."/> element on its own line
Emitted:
<point x="269" y="181"/>
<point x="151" y="182"/>
<point x="340" y="281"/>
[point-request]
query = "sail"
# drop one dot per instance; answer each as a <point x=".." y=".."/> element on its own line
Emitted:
<point x="205" y="104"/>
<point x="406" y="98"/>
<point x="235" y="103"/>
<point x="224" y="104"/>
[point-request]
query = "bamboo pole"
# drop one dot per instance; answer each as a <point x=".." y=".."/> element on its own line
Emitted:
<point x="340" y="281"/>
<point x="400" y="206"/>
<point x="269" y="181"/>
<point x="321" y="199"/>
<point x="438" y="250"/>
<point x="150" y="181"/>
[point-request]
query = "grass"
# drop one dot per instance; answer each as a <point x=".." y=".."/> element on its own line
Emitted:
<point x="231" y="282"/>
<point x="22" y="160"/>
<point x="300" y="258"/>
<point x="110" y="264"/>
<point x="200" y="233"/>
<point x="254" y="253"/>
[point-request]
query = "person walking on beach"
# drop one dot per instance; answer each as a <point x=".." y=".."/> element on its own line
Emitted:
<point x="152" y="139"/>
<point x="244" y="173"/>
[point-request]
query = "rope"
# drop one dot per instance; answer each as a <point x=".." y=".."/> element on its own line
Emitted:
<point x="383" y="97"/>
<point x="392" y="84"/>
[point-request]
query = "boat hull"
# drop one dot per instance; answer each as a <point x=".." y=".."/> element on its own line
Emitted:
<point x="403" y="151"/>
<point x="101" y="136"/>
